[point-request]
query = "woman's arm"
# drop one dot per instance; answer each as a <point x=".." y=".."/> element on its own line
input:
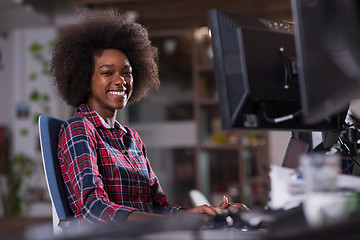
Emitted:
<point x="79" y="166"/>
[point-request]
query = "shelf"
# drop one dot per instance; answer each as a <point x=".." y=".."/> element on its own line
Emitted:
<point x="206" y="68"/>
<point x="215" y="147"/>
<point x="209" y="102"/>
<point x="226" y="159"/>
<point x="256" y="180"/>
<point x="239" y="146"/>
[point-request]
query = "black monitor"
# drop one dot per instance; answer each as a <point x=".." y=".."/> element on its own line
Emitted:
<point x="256" y="74"/>
<point x="327" y="39"/>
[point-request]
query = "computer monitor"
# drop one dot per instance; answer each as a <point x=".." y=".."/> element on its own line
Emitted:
<point x="256" y="74"/>
<point x="327" y="39"/>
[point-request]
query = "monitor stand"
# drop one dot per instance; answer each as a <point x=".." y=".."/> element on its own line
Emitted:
<point x="300" y="143"/>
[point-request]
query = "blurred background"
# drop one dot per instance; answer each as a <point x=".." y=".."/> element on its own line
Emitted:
<point x="180" y="124"/>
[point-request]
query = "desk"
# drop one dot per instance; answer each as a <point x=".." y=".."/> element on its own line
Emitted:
<point x="287" y="228"/>
<point x="216" y="234"/>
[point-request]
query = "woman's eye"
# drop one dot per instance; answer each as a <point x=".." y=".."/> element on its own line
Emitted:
<point x="127" y="73"/>
<point x="106" y="73"/>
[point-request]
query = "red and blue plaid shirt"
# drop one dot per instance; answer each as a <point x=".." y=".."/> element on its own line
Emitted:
<point x="106" y="172"/>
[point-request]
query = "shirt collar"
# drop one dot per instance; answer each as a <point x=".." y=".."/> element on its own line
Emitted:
<point x="96" y="119"/>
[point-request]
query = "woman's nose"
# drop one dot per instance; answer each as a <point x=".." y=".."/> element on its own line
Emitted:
<point x="119" y="79"/>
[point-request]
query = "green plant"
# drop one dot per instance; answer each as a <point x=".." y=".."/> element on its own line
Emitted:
<point x="19" y="168"/>
<point x="39" y="53"/>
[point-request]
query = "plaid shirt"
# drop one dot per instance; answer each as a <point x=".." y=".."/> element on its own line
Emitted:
<point x="106" y="171"/>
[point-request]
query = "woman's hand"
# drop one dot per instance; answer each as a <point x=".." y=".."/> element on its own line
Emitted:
<point x="212" y="210"/>
<point x="203" y="209"/>
<point x="226" y="204"/>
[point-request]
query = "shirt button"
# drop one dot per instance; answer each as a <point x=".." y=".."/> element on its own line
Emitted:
<point x="135" y="169"/>
<point x="140" y="191"/>
<point x="123" y="151"/>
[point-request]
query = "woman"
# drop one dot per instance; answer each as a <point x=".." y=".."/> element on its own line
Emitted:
<point x="100" y="65"/>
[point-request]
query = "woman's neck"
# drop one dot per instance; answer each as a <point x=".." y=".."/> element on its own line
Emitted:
<point x="108" y="115"/>
<point x="110" y="120"/>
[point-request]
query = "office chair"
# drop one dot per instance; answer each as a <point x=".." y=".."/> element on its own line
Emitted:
<point x="49" y="128"/>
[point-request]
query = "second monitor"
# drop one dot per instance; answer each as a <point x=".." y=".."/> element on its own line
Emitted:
<point x="256" y="74"/>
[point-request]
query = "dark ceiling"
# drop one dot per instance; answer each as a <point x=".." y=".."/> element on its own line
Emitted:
<point x="175" y="14"/>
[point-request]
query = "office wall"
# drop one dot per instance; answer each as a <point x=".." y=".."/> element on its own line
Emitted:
<point x="355" y="106"/>
<point x="6" y="83"/>
<point x="33" y="93"/>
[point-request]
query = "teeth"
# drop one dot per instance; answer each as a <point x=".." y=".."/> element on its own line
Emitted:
<point x="116" y="93"/>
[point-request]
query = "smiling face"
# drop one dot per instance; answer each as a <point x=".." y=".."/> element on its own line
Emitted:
<point x="111" y="83"/>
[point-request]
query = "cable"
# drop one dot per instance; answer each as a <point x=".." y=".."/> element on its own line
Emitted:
<point x="343" y="144"/>
<point x="281" y="119"/>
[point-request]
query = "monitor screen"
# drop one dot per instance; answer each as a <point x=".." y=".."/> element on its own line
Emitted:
<point x="256" y="74"/>
<point x="327" y="39"/>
